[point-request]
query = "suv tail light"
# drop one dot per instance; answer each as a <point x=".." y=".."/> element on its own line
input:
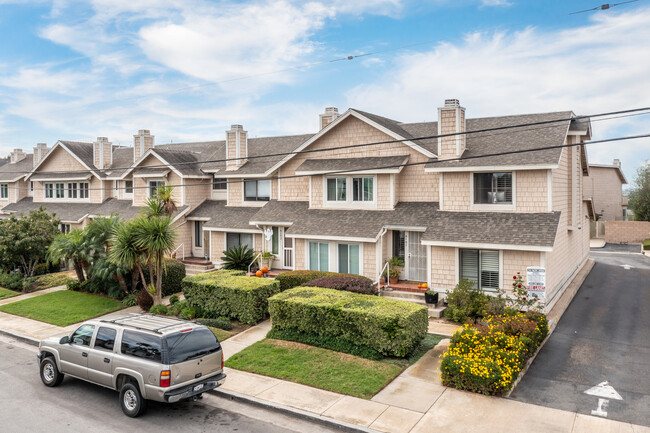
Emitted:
<point x="165" y="376"/>
<point x="222" y="359"/>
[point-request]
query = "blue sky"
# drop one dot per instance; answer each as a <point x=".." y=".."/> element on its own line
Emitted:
<point x="77" y="70"/>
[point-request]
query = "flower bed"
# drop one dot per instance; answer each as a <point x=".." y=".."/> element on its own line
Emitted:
<point x="487" y="357"/>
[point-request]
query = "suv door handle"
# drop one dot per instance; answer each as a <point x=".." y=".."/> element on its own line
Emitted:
<point x="84" y="354"/>
<point x="106" y="360"/>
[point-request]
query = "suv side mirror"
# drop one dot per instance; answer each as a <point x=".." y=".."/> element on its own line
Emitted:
<point x="64" y="340"/>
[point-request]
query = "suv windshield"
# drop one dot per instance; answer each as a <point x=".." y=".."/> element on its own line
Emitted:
<point x="184" y="346"/>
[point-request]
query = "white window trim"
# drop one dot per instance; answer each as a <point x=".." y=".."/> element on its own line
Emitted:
<point x="154" y="180"/>
<point x="4" y="186"/>
<point x="336" y="249"/>
<point x="239" y="232"/>
<point x="258" y="203"/>
<point x="349" y="203"/>
<point x="66" y="197"/>
<point x="332" y="256"/>
<point x="124" y="192"/>
<point x="500" y="279"/>
<point x="498" y="207"/>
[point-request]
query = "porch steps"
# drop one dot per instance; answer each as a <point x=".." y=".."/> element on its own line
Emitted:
<point x="435" y="311"/>
<point x="194" y="266"/>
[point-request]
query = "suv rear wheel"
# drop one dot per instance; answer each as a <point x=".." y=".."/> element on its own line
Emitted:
<point x="131" y="400"/>
<point x="50" y="375"/>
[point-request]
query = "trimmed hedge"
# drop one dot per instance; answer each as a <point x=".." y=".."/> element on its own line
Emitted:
<point x="391" y="327"/>
<point x="350" y="284"/>
<point x="227" y="293"/>
<point x="291" y="279"/>
<point x="172" y="281"/>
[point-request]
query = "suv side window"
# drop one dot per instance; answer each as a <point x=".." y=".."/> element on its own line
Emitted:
<point x="105" y="339"/>
<point x="141" y="345"/>
<point x="83" y="335"/>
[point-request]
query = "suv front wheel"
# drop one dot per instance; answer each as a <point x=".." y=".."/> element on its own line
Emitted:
<point x="50" y="375"/>
<point x="131" y="400"/>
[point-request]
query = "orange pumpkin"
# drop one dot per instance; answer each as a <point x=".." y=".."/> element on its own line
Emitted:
<point x="259" y="273"/>
<point x="424" y="285"/>
<point x="419" y="286"/>
<point x="265" y="269"/>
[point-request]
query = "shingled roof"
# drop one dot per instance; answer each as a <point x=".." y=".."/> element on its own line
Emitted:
<point x="67" y="212"/>
<point x="368" y="164"/>
<point x="11" y="172"/>
<point x="220" y="216"/>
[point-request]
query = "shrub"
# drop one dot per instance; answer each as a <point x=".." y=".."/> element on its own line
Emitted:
<point x="465" y="301"/>
<point x="189" y="313"/>
<point x="488" y="357"/>
<point x="130" y="300"/>
<point x="238" y="258"/>
<point x="144" y="300"/>
<point x="646" y="244"/>
<point x="46" y="281"/>
<point x="391" y="327"/>
<point x="173" y="299"/>
<point x="159" y="309"/>
<point x="350" y="284"/>
<point x="219" y="322"/>
<point x="338" y="344"/>
<point x="11" y="281"/>
<point x="222" y="293"/>
<point x="291" y="279"/>
<point x="172" y="279"/>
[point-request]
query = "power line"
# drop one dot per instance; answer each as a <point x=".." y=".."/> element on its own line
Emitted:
<point x="407" y="164"/>
<point x="603" y="7"/>
<point x="613" y="114"/>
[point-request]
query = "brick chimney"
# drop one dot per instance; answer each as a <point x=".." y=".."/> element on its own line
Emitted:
<point x="328" y="117"/>
<point x="102" y="153"/>
<point x="617" y="162"/>
<point x="39" y="152"/>
<point x="451" y="119"/>
<point x="142" y="142"/>
<point x="236" y="147"/>
<point x="17" y="155"/>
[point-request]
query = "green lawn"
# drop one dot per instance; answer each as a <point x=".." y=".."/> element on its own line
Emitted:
<point x="5" y="293"/>
<point x="313" y="366"/>
<point x="63" y="308"/>
<point x="221" y="333"/>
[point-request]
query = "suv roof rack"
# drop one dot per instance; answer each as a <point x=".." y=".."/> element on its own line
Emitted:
<point x="123" y="319"/>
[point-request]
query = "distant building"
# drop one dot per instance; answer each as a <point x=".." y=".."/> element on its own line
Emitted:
<point x="603" y="187"/>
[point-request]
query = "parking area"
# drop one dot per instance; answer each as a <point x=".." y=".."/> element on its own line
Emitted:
<point x="618" y="248"/>
<point x="604" y="336"/>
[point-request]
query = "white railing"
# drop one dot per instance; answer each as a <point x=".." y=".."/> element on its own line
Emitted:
<point x="288" y="258"/>
<point x="254" y="260"/>
<point x="182" y="246"/>
<point x="385" y="269"/>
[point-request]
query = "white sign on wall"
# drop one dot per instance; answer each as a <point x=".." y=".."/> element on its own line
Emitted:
<point x="536" y="279"/>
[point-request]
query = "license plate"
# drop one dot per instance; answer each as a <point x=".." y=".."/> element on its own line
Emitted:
<point x="198" y="387"/>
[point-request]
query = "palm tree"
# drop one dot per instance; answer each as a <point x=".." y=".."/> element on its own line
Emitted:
<point x="155" y="238"/>
<point x="72" y="246"/>
<point x="154" y="208"/>
<point x="125" y="253"/>
<point x="164" y="195"/>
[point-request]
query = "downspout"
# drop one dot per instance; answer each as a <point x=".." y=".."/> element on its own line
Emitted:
<point x="380" y="252"/>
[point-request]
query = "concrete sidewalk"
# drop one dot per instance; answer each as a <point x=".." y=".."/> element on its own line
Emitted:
<point x="415" y="402"/>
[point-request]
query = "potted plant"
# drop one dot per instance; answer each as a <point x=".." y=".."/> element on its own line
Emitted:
<point x="393" y="276"/>
<point x="431" y="297"/>
<point x="267" y="259"/>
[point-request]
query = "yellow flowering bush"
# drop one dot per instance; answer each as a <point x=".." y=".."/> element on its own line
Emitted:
<point x="487" y="357"/>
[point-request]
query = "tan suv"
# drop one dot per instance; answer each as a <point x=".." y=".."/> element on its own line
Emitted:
<point x="143" y="356"/>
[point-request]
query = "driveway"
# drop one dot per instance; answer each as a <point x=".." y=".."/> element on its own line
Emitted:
<point x="618" y="248"/>
<point x="604" y="335"/>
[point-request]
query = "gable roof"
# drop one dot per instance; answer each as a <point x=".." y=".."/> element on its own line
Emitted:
<point x="11" y="172"/>
<point x="369" y="164"/>
<point x="619" y="172"/>
<point x="81" y="151"/>
<point x="71" y="213"/>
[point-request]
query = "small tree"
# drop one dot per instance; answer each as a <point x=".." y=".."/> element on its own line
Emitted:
<point x="24" y="241"/>
<point x="639" y="200"/>
<point x="155" y="238"/>
<point x="71" y="246"/>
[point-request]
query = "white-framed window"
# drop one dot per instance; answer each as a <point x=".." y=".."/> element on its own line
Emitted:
<point x="154" y="185"/>
<point x="4" y="190"/>
<point x="128" y="187"/>
<point x="482" y="267"/>
<point x="257" y="190"/>
<point x="239" y="239"/>
<point x="72" y="190"/>
<point x="198" y="234"/>
<point x="275" y="241"/>
<point x="31" y="186"/>
<point x="350" y="189"/>
<point x="65" y="228"/>
<point x="492" y="188"/>
<point x="49" y="190"/>
<point x="319" y="256"/>
<point x="349" y="258"/>
<point x="219" y="184"/>
<point x="83" y="190"/>
<point x="59" y="190"/>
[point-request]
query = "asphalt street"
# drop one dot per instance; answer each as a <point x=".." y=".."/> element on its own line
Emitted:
<point x="604" y="335"/>
<point x="27" y="405"/>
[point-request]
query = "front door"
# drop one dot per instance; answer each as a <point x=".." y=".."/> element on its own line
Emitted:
<point x="197" y="239"/>
<point x="416" y="257"/>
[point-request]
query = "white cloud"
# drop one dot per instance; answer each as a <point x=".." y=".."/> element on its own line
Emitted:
<point x="495" y="3"/>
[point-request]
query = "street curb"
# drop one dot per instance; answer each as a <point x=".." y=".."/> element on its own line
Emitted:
<point x="290" y="411"/>
<point x="21" y="338"/>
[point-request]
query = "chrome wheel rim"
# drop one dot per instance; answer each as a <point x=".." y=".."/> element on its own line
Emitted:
<point x="48" y="372"/>
<point x="130" y="400"/>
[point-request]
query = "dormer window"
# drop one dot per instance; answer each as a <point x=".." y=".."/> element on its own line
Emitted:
<point x="71" y="191"/>
<point x="154" y="186"/>
<point x="219" y="184"/>
<point x="353" y="190"/>
<point x="337" y="189"/>
<point x="257" y="190"/>
<point x="493" y="188"/>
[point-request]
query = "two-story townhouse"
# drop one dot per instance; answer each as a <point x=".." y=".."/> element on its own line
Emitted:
<point x="603" y="189"/>
<point x="12" y="173"/>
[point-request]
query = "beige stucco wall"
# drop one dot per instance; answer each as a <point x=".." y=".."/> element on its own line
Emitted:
<point x="605" y="188"/>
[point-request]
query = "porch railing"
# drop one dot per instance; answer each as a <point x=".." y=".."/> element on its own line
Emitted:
<point x="386" y="270"/>
<point x="182" y="248"/>
<point x="288" y="258"/>
<point x="253" y="262"/>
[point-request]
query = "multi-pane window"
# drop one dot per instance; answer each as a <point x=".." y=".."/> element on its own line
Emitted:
<point x="72" y="190"/>
<point x="492" y="188"/>
<point x="59" y="190"/>
<point x="362" y="188"/>
<point x="49" y="190"/>
<point x="318" y="256"/>
<point x="128" y="187"/>
<point x="4" y="190"/>
<point x="219" y="184"/>
<point x="480" y="267"/>
<point x="337" y="189"/>
<point x="83" y="190"/>
<point x="239" y="239"/>
<point x="349" y="258"/>
<point x="65" y="228"/>
<point x="154" y="186"/>
<point x="257" y="190"/>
